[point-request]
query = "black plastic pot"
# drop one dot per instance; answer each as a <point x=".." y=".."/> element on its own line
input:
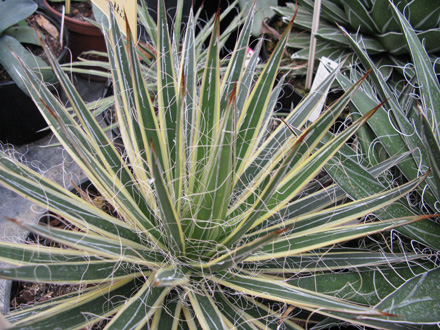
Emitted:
<point x="20" y="119"/>
<point x="13" y="287"/>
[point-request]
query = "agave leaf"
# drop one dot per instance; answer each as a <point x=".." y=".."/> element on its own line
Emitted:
<point x="426" y="76"/>
<point x="333" y="34"/>
<point x="359" y="16"/>
<point x="311" y="203"/>
<point x="139" y="309"/>
<point x="167" y="83"/>
<point x="380" y="124"/>
<point x="206" y="311"/>
<point x="368" y="287"/>
<point x="96" y="245"/>
<point x="323" y="49"/>
<point x="316" y="132"/>
<point x="69" y="315"/>
<point x="380" y="14"/>
<point x="168" y="316"/>
<point x="298" y="176"/>
<point x="433" y="150"/>
<point x="234" y="315"/>
<point x="127" y="98"/>
<point x="205" y="31"/>
<point x="148" y="22"/>
<point x="264" y="316"/>
<point x="263" y="287"/>
<point x="395" y="44"/>
<point x="254" y="111"/>
<point x="176" y="32"/>
<point x="146" y="126"/>
<point x="171" y="224"/>
<point x="246" y="79"/>
<point x="188" y="81"/>
<point x="208" y="115"/>
<point x="333" y="260"/>
<point x="279" y="138"/>
<point x="383" y="128"/>
<point x="213" y="202"/>
<point x="380" y="168"/>
<point x="411" y="140"/>
<point x="24" y="254"/>
<point x="237" y="62"/>
<point x="293" y="244"/>
<point x="101" y="146"/>
<point x="41" y="306"/>
<point x="308" y="168"/>
<point x="73" y="272"/>
<point x="331" y="12"/>
<point x="415" y="300"/>
<point x="264" y="156"/>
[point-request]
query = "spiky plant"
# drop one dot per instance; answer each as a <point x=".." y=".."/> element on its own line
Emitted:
<point x="402" y="138"/>
<point x="370" y="22"/>
<point x="218" y="213"/>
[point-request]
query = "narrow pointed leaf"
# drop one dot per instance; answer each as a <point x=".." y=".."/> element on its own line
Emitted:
<point x="280" y="291"/>
<point x="208" y="115"/>
<point x="295" y="244"/>
<point x="23" y="254"/>
<point x="207" y="313"/>
<point x="96" y="245"/>
<point x="171" y="221"/>
<point x="73" y="272"/>
<point x="416" y="301"/>
<point x="252" y="116"/>
<point x="332" y="260"/>
<point x="426" y="76"/>
<point x="140" y="308"/>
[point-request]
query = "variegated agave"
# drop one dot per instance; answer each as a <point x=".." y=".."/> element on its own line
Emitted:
<point x="370" y="22"/>
<point x="219" y="213"/>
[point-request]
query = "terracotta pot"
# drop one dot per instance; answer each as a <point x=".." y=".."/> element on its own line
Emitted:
<point x="84" y="36"/>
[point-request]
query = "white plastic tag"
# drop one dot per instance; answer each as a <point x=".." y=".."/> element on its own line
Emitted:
<point x="321" y="74"/>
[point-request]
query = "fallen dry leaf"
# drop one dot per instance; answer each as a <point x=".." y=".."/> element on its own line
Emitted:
<point x="47" y="25"/>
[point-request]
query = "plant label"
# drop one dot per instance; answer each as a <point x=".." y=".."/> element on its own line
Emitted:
<point x="124" y="10"/>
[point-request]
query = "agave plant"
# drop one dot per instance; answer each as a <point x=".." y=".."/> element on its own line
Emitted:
<point x="218" y="213"/>
<point x="370" y="22"/>
<point x="395" y="145"/>
<point x="403" y="136"/>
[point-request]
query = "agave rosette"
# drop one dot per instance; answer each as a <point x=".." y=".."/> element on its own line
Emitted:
<point x="369" y="22"/>
<point x="402" y="138"/>
<point x="217" y="211"/>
